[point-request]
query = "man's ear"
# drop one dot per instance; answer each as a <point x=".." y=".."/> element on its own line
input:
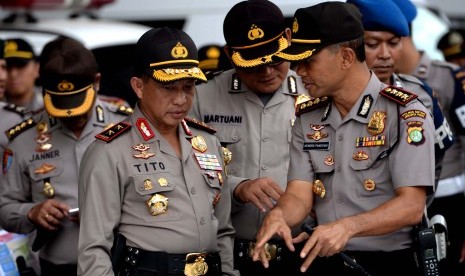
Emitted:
<point x="137" y="85"/>
<point x="348" y="57"/>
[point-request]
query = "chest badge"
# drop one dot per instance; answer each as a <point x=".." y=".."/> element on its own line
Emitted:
<point x="360" y="155"/>
<point x="376" y="124"/>
<point x="143" y="151"/>
<point x="163" y="182"/>
<point x="45" y="168"/>
<point x="369" y="184"/>
<point x="199" y="144"/>
<point x="318" y="134"/>
<point x="318" y="188"/>
<point x="48" y="189"/>
<point x="147" y="185"/>
<point x="329" y="160"/>
<point x="157" y="204"/>
<point x="43" y="137"/>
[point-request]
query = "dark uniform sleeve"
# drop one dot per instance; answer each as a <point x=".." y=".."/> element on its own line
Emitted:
<point x="100" y="196"/>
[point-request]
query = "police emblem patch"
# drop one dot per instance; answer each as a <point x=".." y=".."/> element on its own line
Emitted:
<point x="415" y="133"/>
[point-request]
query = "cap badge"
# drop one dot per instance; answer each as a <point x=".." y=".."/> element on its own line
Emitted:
<point x="295" y="26"/>
<point x="11" y="46"/>
<point x="213" y="52"/>
<point x="319" y="189"/>
<point x="376" y="124"/>
<point x="65" y="86"/>
<point x="255" y="32"/>
<point x="179" y="51"/>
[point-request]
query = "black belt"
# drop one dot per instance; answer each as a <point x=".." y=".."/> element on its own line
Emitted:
<point x="274" y="250"/>
<point x="164" y="263"/>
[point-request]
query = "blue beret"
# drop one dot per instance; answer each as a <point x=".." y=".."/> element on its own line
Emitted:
<point x="382" y="15"/>
<point x="408" y="9"/>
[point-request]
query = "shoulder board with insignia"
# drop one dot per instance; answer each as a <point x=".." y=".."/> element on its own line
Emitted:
<point x="410" y="78"/>
<point x="111" y="133"/>
<point x="310" y="105"/>
<point x="398" y="95"/>
<point x="125" y="110"/>
<point x="20" y="128"/>
<point x="21" y="110"/>
<point x="199" y="124"/>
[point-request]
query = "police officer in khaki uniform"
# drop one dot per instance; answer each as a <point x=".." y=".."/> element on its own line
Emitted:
<point x="252" y="107"/>
<point x="42" y="160"/>
<point x="448" y="82"/>
<point x="154" y="187"/>
<point x="352" y="154"/>
<point x="20" y="95"/>
<point x="383" y="46"/>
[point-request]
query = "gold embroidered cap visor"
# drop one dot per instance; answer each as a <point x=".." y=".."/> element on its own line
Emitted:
<point x="319" y="26"/>
<point x="258" y="54"/>
<point x="69" y="103"/>
<point x="174" y="73"/>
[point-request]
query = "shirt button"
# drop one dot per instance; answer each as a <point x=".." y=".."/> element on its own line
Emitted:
<point x="368" y="164"/>
<point x="193" y="191"/>
<point x="235" y="138"/>
<point x="202" y="221"/>
<point x="339" y="138"/>
<point x="265" y="139"/>
<point x="339" y="199"/>
<point x="264" y="167"/>
<point x="265" y="111"/>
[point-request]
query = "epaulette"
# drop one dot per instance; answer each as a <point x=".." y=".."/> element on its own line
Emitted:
<point x="212" y="74"/>
<point x="125" y="110"/>
<point x="21" y="110"/>
<point x="111" y="133"/>
<point x="20" y="128"/>
<point x="444" y="64"/>
<point x="398" y="95"/>
<point x="310" y="105"/>
<point x="410" y="78"/>
<point x="199" y="124"/>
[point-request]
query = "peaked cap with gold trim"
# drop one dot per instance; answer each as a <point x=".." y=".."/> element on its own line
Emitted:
<point x="18" y="52"/>
<point x="254" y="32"/>
<point x="67" y="72"/>
<point x="321" y="25"/>
<point x="167" y="54"/>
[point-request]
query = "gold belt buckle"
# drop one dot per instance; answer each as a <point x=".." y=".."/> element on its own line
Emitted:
<point x="195" y="264"/>
<point x="270" y="250"/>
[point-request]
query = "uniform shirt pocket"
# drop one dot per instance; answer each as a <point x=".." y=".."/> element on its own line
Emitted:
<point x="232" y="138"/>
<point x="147" y="186"/>
<point x="371" y="172"/>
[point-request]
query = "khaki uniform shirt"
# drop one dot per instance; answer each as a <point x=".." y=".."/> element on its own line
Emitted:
<point x="348" y="156"/>
<point x="11" y="114"/>
<point x="53" y="158"/>
<point x="116" y="181"/>
<point x="439" y="75"/>
<point x="258" y="136"/>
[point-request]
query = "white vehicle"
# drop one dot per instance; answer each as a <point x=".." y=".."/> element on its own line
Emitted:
<point x="111" y="41"/>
